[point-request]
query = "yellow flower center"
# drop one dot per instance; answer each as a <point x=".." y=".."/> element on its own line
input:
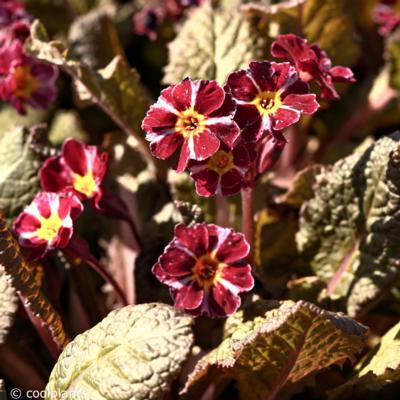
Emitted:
<point x="49" y="227"/>
<point x="190" y="123"/>
<point x="85" y="184"/>
<point x="207" y="270"/>
<point x="25" y="83"/>
<point x="268" y="102"/>
<point x="221" y="162"/>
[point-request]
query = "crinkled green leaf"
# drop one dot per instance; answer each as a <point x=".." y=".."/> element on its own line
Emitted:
<point x="19" y="180"/>
<point x="8" y="304"/>
<point x="116" y="88"/>
<point x="328" y="23"/>
<point x="66" y="124"/>
<point x="380" y="368"/>
<point x="213" y="42"/>
<point x="134" y="353"/>
<point x="393" y="58"/>
<point x="325" y="22"/>
<point x="350" y="229"/>
<point x="94" y="39"/>
<point x="23" y="277"/>
<point x="274" y="345"/>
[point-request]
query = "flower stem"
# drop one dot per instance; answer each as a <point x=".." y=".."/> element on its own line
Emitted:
<point x="222" y="211"/>
<point x="248" y="218"/>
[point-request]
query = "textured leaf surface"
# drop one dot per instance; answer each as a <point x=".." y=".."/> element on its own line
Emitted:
<point x="378" y="369"/>
<point x="328" y="23"/>
<point x="393" y="57"/>
<point x="93" y="38"/>
<point x="134" y="353"/>
<point x="212" y="43"/>
<point x="116" y="88"/>
<point x="19" y="180"/>
<point x="23" y="277"/>
<point x="8" y="304"/>
<point x="275" y="344"/>
<point x="350" y="229"/>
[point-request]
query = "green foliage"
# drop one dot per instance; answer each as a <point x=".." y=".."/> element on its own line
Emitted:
<point x="134" y="353"/>
<point x="8" y="304"/>
<point x="271" y="345"/>
<point x="213" y="42"/>
<point x="19" y="180"/>
<point x="349" y="229"/>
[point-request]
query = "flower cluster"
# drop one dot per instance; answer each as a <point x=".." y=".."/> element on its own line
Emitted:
<point x="67" y="179"/>
<point x="225" y="137"/>
<point x="387" y="16"/>
<point x="150" y="17"/>
<point x="24" y="80"/>
<point x="205" y="268"/>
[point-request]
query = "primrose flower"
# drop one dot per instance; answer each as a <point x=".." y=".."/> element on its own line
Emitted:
<point x="205" y="269"/>
<point x="27" y="81"/>
<point x="387" y="16"/>
<point x="271" y="148"/>
<point x="47" y="223"/>
<point x="270" y="96"/>
<point x="224" y="172"/>
<point x="312" y="63"/>
<point x="194" y="117"/>
<point x="80" y="168"/>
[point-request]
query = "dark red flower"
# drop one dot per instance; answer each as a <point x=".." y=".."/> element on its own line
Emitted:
<point x="204" y="266"/>
<point x="80" y="168"/>
<point x="193" y="116"/>
<point x="224" y="172"/>
<point x="312" y="63"/>
<point x="47" y="223"/>
<point x="27" y="81"/>
<point x="271" y="148"/>
<point x="147" y="21"/>
<point x="269" y="96"/>
<point x="387" y="16"/>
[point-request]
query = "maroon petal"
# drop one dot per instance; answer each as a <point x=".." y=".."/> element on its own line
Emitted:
<point x="342" y="74"/>
<point x="190" y="296"/>
<point x="306" y="103"/>
<point x="181" y="95"/>
<point x="166" y="145"/>
<point x="291" y="47"/>
<point x="223" y="300"/>
<point x="184" y="156"/>
<point x="231" y="182"/>
<point x="228" y="107"/>
<point x="26" y="223"/>
<point x="285" y="117"/>
<point x="63" y="237"/>
<point x="239" y="276"/>
<point x="206" y="182"/>
<point x="250" y="122"/>
<point x="232" y="248"/>
<point x="54" y="175"/>
<point x="204" y="145"/>
<point x="159" y="119"/>
<point x="224" y="129"/>
<point x="241" y="86"/>
<point x="176" y="262"/>
<point x="262" y="73"/>
<point x="209" y="97"/>
<point x="244" y="155"/>
<point x="193" y="238"/>
<point x="271" y="149"/>
<point x="74" y="155"/>
<point x="42" y="201"/>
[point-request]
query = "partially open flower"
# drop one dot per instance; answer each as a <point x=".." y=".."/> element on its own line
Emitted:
<point x="270" y="96"/>
<point x="27" y="81"/>
<point x="205" y="269"/>
<point x="47" y="223"/>
<point x="224" y="172"/>
<point x="387" y="16"/>
<point x="193" y="116"/>
<point x="80" y="168"/>
<point x="312" y="63"/>
<point x="271" y="149"/>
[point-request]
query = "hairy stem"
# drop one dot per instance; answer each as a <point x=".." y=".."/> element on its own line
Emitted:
<point x="222" y="210"/>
